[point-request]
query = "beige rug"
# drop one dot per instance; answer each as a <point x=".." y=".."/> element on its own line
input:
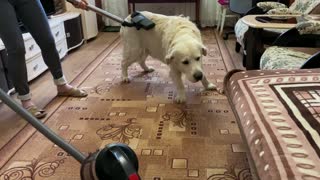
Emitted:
<point x="198" y="140"/>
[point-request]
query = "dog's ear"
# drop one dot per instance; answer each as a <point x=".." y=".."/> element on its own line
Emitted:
<point x="204" y="50"/>
<point x="169" y="57"/>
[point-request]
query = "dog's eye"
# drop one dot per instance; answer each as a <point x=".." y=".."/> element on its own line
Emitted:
<point x="186" y="62"/>
<point x="198" y="58"/>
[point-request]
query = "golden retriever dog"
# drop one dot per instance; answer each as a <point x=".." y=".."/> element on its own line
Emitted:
<point x="175" y="41"/>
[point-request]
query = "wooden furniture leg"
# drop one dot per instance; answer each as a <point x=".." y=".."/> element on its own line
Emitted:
<point x="99" y="18"/>
<point x="254" y="46"/>
<point x="198" y="13"/>
<point x="129" y="8"/>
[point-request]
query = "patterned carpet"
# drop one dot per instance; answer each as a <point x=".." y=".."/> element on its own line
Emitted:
<point x="199" y="140"/>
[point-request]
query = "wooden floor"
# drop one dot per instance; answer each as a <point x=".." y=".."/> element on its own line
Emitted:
<point x="44" y="90"/>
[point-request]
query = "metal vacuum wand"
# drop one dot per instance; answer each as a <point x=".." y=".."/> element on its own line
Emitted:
<point x="138" y="20"/>
<point x="41" y="127"/>
<point x="99" y="11"/>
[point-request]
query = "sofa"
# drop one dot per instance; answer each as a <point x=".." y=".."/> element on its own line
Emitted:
<point x="279" y="119"/>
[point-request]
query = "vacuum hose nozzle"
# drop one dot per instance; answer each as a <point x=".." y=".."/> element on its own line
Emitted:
<point x="114" y="162"/>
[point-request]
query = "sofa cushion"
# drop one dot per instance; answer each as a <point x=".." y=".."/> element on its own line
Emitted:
<point x="282" y="11"/>
<point x="308" y="27"/>
<point x="304" y="6"/>
<point x="282" y="58"/>
<point x="266" y="6"/>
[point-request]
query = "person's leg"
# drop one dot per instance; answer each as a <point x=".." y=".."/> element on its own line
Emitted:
<point x="34" y="18"/>
<point x="13" y="41"/>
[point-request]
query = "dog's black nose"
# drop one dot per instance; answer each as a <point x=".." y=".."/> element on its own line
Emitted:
<point x="198" y="75"/>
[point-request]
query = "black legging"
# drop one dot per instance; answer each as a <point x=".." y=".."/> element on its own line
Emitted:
<point x="34" y="18"/>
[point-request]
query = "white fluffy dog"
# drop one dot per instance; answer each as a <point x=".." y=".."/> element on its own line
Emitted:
<point x="175" y="41"/>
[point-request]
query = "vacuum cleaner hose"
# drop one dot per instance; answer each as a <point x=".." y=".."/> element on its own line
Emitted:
<point x="114" y="162"/>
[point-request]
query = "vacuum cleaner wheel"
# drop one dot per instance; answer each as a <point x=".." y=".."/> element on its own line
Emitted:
<point x="117" y="161"/>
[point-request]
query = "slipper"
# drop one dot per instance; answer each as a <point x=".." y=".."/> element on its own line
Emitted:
<point x="37" y="113"/>
<point x="74" y="92"/>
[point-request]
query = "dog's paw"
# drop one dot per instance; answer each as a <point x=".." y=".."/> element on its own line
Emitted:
<point x="211" y="87"/>
<point x="125" y="80"/>
<point x="220" y="90"/>
<point x="180" y="99"/>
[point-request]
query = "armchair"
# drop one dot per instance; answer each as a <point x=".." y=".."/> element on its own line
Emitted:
<point x="285" y="54"/>
<point x="298" y="7"/>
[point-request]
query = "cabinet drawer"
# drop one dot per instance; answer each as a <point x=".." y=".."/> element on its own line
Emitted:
<point x="32" y="48"/>
<point x="62" y="48"/>
<point x="58" y="32"/>
<point x="35" y="67"/>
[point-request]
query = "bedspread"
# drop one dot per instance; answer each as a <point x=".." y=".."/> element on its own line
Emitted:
<point x="279" y="116"/>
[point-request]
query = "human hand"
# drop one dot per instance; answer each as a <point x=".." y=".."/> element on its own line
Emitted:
<point x="81" y="4"/>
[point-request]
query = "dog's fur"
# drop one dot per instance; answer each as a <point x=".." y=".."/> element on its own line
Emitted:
<point x="175" y="40"/>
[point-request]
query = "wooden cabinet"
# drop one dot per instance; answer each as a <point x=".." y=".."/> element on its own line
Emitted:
<point x="74" y="33"/>
<point x="67" y="31"/>
<point x="88" y="20"/>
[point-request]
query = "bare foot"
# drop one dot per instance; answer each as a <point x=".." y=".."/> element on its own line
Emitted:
<point x="27" y="103"/>
<point x="64" y="88"/>
<point x="36" y="112"/>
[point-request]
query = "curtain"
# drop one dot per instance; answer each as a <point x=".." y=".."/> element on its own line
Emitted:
<point x="207" y="10"/>
<point x="116" y="7"/>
